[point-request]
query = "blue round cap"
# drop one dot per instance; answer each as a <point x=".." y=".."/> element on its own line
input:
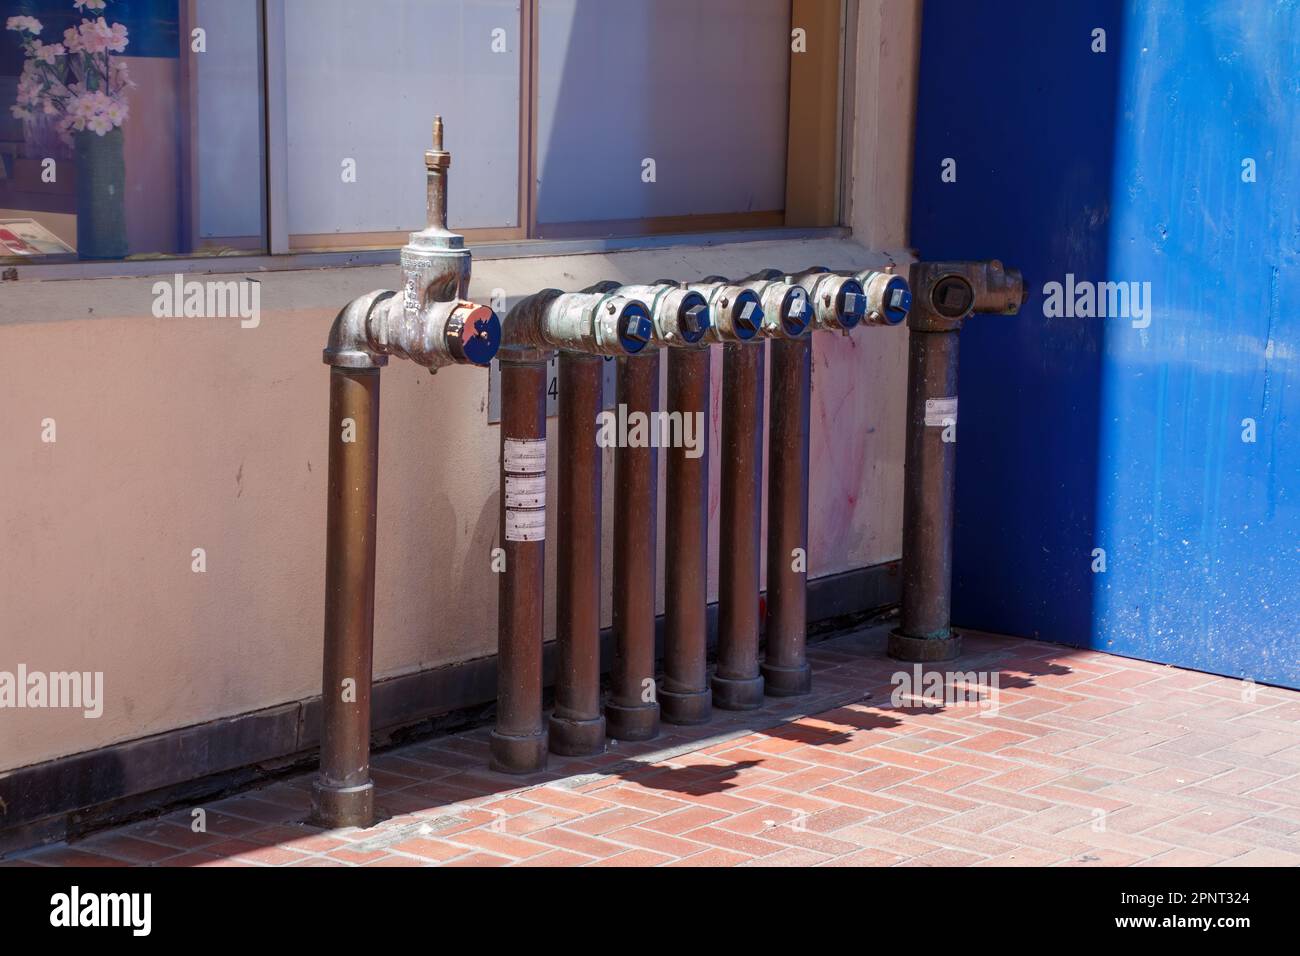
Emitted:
<point x="851" y="303"/>
<point x="480" y="336"/>
<point x="796" y="311"/>
<point x="693" y="317"/>
<point x="635" y="327"/>
<point x="746" y="314"/>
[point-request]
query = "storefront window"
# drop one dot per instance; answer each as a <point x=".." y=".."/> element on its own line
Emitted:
<point x="131" y="129"/>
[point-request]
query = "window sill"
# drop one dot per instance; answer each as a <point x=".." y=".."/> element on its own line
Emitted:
<point x="483" y="251"/>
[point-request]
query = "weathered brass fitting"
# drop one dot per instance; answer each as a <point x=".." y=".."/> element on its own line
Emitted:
<point x="681" y="316"/>
<point x="601" y="320"/>
<point x="888" y="296"/>
<point x="431" y="322"/>
<point x="374" y="326"/>
<point x="838" y="301"/>
<point x="947" y="293"/>
<point x="787" y="311"/>
<point x="736" y="312"/>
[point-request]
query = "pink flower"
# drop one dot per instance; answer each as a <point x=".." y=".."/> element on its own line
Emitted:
<point x="47" y="52"/>
<point x="24" y="25"/>
<point x="90" y="4"/>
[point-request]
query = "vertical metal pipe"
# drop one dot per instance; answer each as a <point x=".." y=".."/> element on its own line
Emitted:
<point x="577" y="726"/>
<point x="930" y="466"/>
<point x="684" y="694"/>
<point x="737" y="683"/>
<point x="785" y="667"/>
<point x="632" y="712"/>
<point x="518" y="744"/>
<point x="343" y="794"/>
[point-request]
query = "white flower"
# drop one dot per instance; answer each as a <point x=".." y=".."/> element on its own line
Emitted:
<point x="90" y="4"/>
<point x="24" y="24"/>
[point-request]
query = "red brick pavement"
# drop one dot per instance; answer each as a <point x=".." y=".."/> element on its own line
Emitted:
<point x="1077" y="759"/>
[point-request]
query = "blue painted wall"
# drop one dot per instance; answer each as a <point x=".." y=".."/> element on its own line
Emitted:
<point x="1125" y="433"/>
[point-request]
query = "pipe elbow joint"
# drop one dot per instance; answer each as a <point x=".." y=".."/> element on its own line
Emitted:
<point x="349" y="344"/>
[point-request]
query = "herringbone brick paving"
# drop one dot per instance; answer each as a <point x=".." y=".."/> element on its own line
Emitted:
<point x="1087" y="759"/>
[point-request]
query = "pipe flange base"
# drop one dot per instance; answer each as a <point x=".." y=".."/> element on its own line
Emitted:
<point x="337" y="807"/>
<point x="518" y="755"/>
<point x="639" y="722"/>
<point x="730" y="693"/>
<point x="783" y="681"/>
<point x="571" y="737"/>
<point x="686" y="709"/>
<point x="922" y="650"/>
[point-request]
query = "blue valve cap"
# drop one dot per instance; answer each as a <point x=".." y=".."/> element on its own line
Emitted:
<point x="635" y="327"/>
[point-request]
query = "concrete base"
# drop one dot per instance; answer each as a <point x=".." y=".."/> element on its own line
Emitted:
<point x="511" y="754"/>
<point x="632" y="723"/>
<point x="923" y="650"/>
<point x="687" y="709"/>
<point x="577" y="738"/>
<point x="787" y="681"/>
<point x="336" y="807"/>
<point x="743" y="694"/>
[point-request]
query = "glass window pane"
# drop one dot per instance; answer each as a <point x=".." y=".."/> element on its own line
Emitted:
<point x="363" y="84"/>
<point x="699" y="88"/>
<point x="121" y="138"/>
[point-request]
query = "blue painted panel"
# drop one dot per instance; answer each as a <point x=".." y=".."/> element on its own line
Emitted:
<point x="1108" y="432"/>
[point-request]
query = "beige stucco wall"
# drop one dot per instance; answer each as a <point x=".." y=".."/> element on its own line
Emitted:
<point x="175" y="434"/>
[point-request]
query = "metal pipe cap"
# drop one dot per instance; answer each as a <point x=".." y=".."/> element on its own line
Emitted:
<point x="746" y="314"/>
<point x="473" y="334"/>
<point x="635" y="327"/>
<point x="795" y="312"/>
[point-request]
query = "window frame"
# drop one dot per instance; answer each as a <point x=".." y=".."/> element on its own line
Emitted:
<point x="819" y="212"/>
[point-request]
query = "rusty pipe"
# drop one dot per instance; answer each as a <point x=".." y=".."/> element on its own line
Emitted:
<point x="577" y="727"/>
<point x="684" y="694"/>
<point x="945" y="295"/>
<point x="785" y="666"/>
<point x="737" y="682"/>
<point x="518" y="743"/>
<point x="343" y="794"/>
<point x="432" y="324"/>
<point x="632" y="711"/>
<point x="682" y="321"/>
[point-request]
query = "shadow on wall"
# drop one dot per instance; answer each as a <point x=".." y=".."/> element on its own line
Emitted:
<point x="1025" y="112"/>
<point x="1125" y="447"/>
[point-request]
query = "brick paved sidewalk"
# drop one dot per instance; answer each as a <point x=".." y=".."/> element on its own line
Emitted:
<point x="1089" y="759"/>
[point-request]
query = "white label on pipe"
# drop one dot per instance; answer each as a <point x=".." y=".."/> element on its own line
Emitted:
<point x="940" y="412"/>
<point x="525" y="456"/>
<point x="525" y="491"/>
<point x="796" y="307"/>
<point x="528" y="525"/>
<point x="747" y="311"/>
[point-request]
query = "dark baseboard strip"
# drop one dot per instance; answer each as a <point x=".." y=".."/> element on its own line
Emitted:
<point x="72" y="795"/>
